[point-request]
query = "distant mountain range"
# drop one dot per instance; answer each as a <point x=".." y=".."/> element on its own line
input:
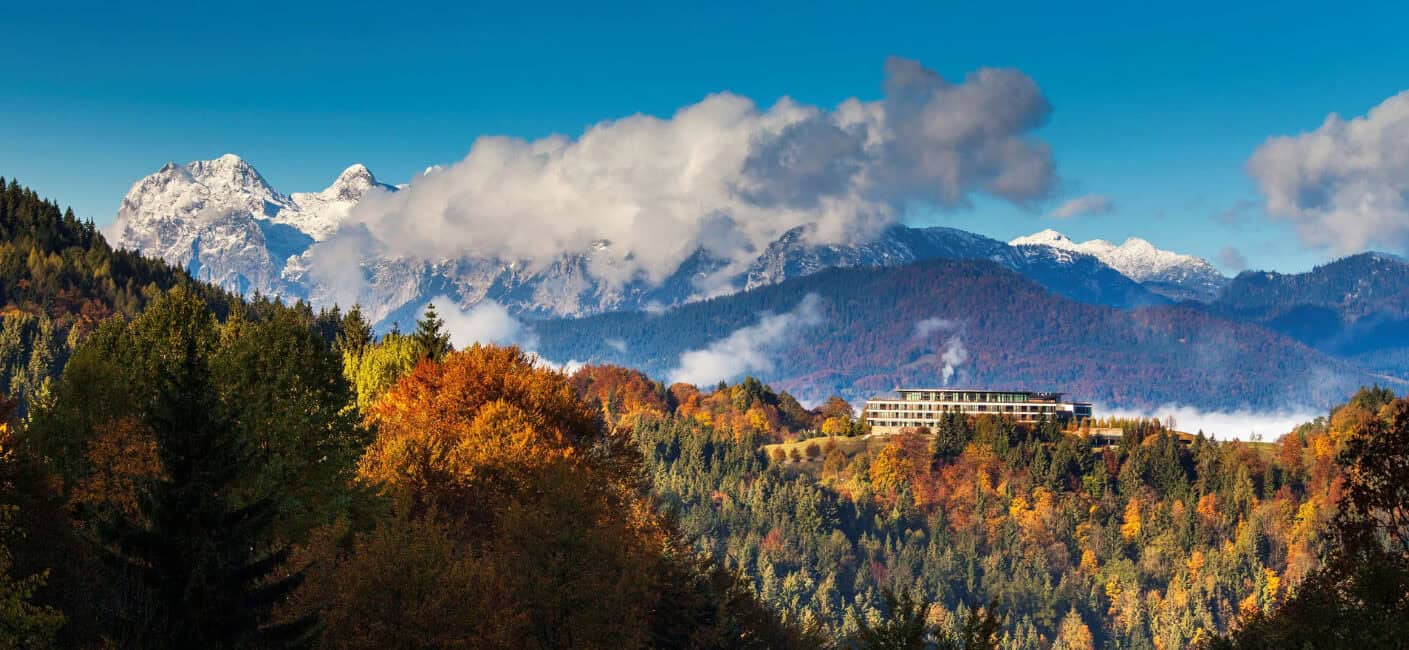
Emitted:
<point x="1179" y="277"/>
<point x="1128" y="323"/>
<point x="879" y="328"/>
<point x="222" y="221"/>
<point x="1356" y="307"/>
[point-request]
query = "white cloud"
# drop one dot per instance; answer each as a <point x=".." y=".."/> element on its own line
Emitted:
<point x="724" y="176"/>
<point x="924" y="328"/>
<point x="748" y="349"/>
<point x="1345" y="186"/>
<point x="1226" y="425"/>
<point x="487" y="322"/>
<point x="617" y="344"/>
<point x="334" y="267"/>
<point x="568" y="368"/>
<point x="1090" y="204"/>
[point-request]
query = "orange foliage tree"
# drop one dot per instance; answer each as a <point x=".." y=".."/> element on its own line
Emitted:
<point x="509" y="482"/>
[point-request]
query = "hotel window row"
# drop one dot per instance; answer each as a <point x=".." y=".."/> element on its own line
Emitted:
<point x="923" y="407"/>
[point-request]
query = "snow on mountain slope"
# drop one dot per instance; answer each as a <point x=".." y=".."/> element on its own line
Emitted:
<point x="223" y="222"/>
<point x="1165" y="272"/>
<point x="320" y="213"/>
<point x="1072" y="274"/>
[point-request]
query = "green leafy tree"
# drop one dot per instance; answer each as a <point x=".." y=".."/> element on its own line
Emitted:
<point x="23" y="622"/>
<point x="293" y="406"/>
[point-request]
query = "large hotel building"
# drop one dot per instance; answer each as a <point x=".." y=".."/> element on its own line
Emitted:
<point x="924" y="407"/>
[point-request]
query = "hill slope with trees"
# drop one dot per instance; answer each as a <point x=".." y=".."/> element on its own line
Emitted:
<point x="59" y="279"/>
<point x="869" y="337"/>
<point x="1355" y="307"/>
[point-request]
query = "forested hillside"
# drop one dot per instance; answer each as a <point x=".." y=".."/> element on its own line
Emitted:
<point x="1356" y="307"/>
<point x="212" y="472"/>
<point x="58" y="279"/>
<point x="217" y="473"/>
<point x="1156" y="543"/>
<point x="867" y="340"/>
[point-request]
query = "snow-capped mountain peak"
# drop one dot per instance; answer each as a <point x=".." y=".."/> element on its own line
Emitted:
<point x="224" y="223"/>
<point x="352" y="184"/>
<point x="221" y="219"/>
<point x="1173" y="274"/>
<point x="1046" y="237"/>
<point x="320" y="213"/>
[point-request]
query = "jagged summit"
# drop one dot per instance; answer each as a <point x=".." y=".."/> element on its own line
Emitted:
<point x="354" y="183"/>
<point x="221" y="220"/>
<point x="1172" y="274"/>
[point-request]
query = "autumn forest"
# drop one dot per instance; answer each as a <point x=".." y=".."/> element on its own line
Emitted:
<point x="184" y="468"/>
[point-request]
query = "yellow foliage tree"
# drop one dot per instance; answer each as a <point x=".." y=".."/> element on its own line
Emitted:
<point x="1131" y="528"/>
<point x="1073" y="634"/>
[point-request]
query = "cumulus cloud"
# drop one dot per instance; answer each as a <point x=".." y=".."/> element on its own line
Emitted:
<point x="487" y="322"/>
<point x="1226" y="425"/>
<point x="569" y="367"/>
<point x="1232" y="259"/>
<point x="1088" y="205"/>
<point x="616" y="344"/>
<point x="1345" y="185"/>
<point x="749" y="349"/>
<point x="724" y="176"/>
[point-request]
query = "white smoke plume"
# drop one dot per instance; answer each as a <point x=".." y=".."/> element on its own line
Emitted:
<point x="1242" y="424"/>
<point x="954" y="353"/>
<point x="641" y="193"/>
<point x="749" y="349"/>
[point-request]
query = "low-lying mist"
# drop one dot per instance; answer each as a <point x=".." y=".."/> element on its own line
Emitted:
<point x="1224" y="425"/>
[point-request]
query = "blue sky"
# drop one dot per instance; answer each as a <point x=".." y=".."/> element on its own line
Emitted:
<point x="1157" y="108"/>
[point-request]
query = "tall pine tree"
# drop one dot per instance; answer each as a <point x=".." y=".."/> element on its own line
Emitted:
<point x="204" y="560"/>
<point x="430" y="336"/>
<point x="356" y="332"/>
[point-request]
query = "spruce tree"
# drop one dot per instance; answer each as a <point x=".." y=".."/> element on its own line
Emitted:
<point x="203" y="559"/>
<point x="431" y="337"/>
<point x="356" y="332"/>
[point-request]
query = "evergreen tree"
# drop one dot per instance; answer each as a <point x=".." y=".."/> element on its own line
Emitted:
<point x="356" y="332"/>
<point x="904" y="626"/>
<point x="430" y="336"/>
<point x="202" y="558"/>
<point x="1360" y="597"/>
